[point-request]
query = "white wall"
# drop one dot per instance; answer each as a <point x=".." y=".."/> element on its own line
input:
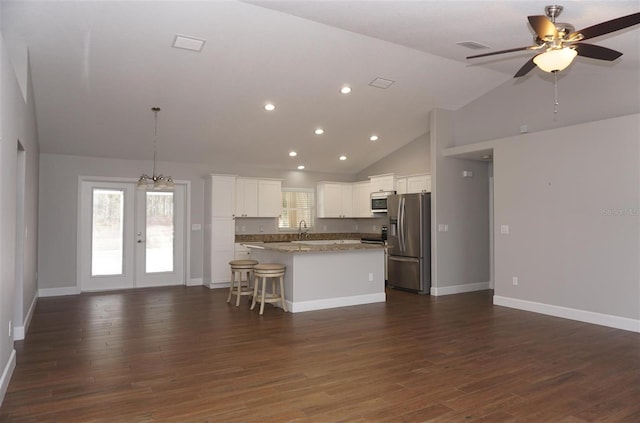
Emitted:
<point x="571" y="197"/>
<point x="460" y="256"/>
<point x="17" y="122"/>
<point x="410" y="159"/>
<point x="58" y="206"/>
<point x="529" y="101"/>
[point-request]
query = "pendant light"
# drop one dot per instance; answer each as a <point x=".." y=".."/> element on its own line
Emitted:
<point x="155" y="181"/>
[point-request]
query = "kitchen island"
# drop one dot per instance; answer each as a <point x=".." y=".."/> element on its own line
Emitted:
<point x="326" y="274"/>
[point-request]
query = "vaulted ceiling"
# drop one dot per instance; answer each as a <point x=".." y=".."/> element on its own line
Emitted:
<point x="99" y="67"/>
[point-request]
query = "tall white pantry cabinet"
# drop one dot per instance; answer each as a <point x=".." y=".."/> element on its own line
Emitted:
<point x="219" y="240"/>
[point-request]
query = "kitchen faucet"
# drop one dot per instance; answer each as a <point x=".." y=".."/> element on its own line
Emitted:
<point x="306" y="232"/>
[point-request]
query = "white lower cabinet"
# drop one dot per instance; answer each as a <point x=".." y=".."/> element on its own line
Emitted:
<point x="223" y="236"/>
<point x="242" y="252"/>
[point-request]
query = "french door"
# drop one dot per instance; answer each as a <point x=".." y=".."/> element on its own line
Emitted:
<point x="130" y="238"/>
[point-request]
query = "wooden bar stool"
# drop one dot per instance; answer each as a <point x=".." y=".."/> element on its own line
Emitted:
<point x="238" y="286"/>
<point x="263" y="272"/>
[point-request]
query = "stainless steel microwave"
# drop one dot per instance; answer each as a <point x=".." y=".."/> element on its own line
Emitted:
<point x="379" y="201"/>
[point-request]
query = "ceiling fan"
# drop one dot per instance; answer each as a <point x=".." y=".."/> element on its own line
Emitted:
<point x="561" y="43"/>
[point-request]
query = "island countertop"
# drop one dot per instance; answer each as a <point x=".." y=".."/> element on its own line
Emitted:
<point x="313" y="246"/>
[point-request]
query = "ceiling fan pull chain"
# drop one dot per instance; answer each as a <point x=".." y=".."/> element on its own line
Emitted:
<point x="555" y="89"/>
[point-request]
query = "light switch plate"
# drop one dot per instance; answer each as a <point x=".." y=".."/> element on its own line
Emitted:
<point x="504" y="229"/>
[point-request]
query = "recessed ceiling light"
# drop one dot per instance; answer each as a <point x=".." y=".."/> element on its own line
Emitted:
<point x="343" y="158"/>
<point x="292" y="153"/>
<point x="269" y="106"/>
<point x="373" y="138"/>
<point x="345" y="89"/>
<point x="300" y="167"/>
<point x="319" y="131"/>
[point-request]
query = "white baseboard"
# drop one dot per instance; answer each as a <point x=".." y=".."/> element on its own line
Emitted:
<point x="216" y="285"/>
<point x="194" y="282"/>
<point x="301" y="306"/>
<point x="19" y="332"/>
<point x="58" y="292"/>
<point x="459" y="289"/>
<point x="6" y="375"/>
<point x="609" y="320"/>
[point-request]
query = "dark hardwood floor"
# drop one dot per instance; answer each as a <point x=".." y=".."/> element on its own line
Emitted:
<point x="184" y="355"/>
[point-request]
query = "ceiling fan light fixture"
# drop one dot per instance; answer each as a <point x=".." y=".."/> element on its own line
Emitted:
<point x="554" y="60"/>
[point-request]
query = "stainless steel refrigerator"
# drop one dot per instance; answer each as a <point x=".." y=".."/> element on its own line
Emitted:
<point x="409" y="242"/>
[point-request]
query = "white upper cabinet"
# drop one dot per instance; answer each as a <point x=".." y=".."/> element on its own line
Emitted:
<point x="362" y="199"/>
<point x="222" y="195"/>
<point x="401" y="185"/>
<point x="246" y="197"/>
<point x="383" y="182"/>
<point x="269" y="197"/>
<point x="413" y="184"/>
<point x="419" y="183"/>
<point x="258" y="197"/>
<point x="334" y="199"/>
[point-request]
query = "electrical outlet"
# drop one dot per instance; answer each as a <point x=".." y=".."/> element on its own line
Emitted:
<point x="370" y="277"/>
<point x="515" y="280"/>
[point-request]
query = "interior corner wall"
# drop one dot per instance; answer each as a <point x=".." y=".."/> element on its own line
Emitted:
<point x="411" y="159"/>
<point x="17" y="122"/>
<point x="460" y="255"/>
<point x="571" y="198"/>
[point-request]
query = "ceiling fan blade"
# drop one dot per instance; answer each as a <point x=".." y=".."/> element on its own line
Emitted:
<point x="543" y="27"/>
<point x="607" y="27"/>
<point x="596" y="52"/>
<point x="511" y="50"/>
<point x="525" y="69"/>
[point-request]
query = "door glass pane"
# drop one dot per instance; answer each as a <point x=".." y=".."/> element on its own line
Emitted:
<point x="159" y="244"/>
<point x="107" y="232"/>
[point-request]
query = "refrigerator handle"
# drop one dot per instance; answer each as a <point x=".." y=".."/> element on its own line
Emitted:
<point x="404" y="226"/>
<point x="404" y="259"/>
<point x="400" y="224"/>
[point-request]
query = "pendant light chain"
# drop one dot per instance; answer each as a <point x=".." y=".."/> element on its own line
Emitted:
<point x="555" y="89"/>
<point x="155" y="138"/>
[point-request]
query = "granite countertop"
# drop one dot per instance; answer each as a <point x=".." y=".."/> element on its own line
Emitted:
<point x="294" y="236"/>
<point x="310" y="247"/>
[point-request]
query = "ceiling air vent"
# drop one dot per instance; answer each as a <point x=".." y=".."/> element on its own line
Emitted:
<point x="188" y="43"/>
<point x="472" y="45"/>
<point x="381" y="83"/>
